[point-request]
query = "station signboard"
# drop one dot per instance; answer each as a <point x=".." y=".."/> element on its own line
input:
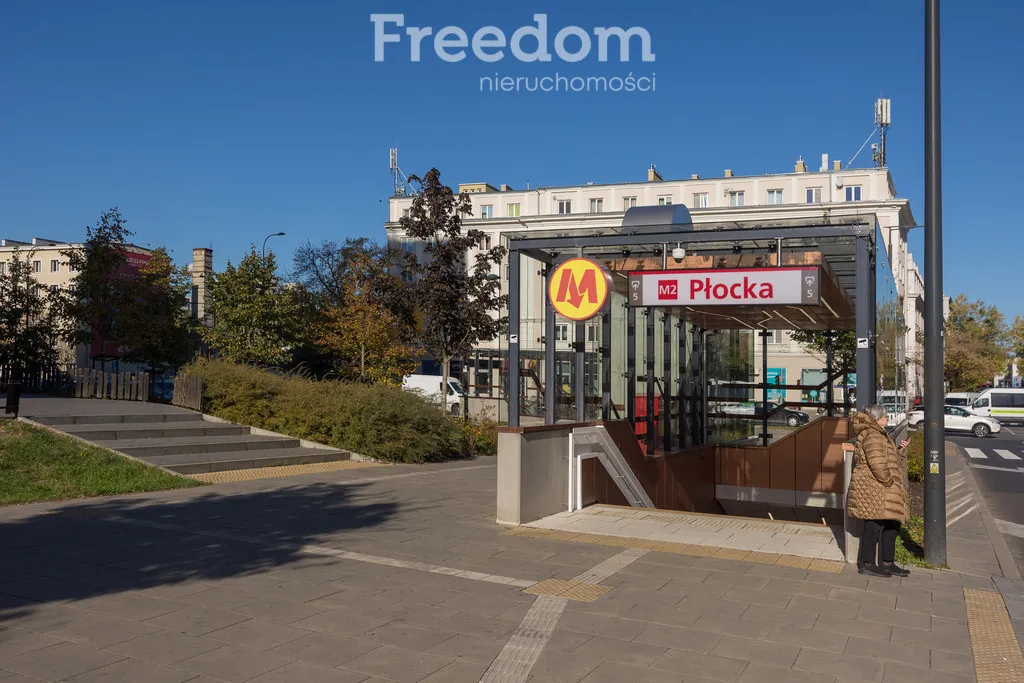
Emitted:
<point x="795" y="286"/>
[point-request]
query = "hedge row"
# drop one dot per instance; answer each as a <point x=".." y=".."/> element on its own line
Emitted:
<point x="383" y="423"/>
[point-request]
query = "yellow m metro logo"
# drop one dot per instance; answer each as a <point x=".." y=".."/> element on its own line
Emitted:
<point x="578" y="289"/>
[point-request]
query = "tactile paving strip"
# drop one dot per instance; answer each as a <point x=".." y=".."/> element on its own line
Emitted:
<point x="817" y="565"/>
<point x="997" y="655"/>
<point x="281" y="471"/>
<point x="570" y="590"/>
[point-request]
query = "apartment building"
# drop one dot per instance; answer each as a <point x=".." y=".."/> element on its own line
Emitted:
<point x="51" y="268"/>
<point x="828" y="193"/>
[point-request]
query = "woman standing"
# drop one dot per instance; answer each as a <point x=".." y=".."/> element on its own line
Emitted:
<point x="878" y="492"/>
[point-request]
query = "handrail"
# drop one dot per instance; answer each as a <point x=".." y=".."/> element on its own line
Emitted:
<point x="614" y="463"/>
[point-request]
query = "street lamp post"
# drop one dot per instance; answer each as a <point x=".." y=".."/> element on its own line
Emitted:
<point x="934" y="447"/>
<point x="276" y="234"/>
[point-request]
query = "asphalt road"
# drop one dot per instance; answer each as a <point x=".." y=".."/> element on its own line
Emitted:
<point x="997" y="463"/>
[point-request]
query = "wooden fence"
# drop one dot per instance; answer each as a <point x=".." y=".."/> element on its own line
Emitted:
<point x="121" y="386"/>
<point x="188" y="392"/>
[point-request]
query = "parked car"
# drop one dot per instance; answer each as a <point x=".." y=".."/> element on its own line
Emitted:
<point x="783" y="416"/>
<point x="959" y="419"/>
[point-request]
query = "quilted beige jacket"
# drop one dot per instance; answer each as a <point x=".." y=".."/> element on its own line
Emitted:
<point x="878" y="489"/>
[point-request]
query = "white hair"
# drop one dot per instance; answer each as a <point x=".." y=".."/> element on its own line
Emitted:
<point x="876" y="412"/>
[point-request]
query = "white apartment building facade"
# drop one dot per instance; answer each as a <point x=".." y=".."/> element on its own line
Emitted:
<point x="828" y="193"/>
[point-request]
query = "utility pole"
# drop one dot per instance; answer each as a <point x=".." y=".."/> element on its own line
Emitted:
<point x="934" y="444"/>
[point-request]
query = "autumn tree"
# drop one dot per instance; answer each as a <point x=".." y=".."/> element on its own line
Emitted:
<point x="29" y="315"/>
<point x="256" y="318"/>
<point x="975" y="343"/>
<point x="99" y="296"/>
<point x="160" y="331"/>
<point x="459" y="301"/>
<point x="844" y="346"/>
<point x="367" y="327"/>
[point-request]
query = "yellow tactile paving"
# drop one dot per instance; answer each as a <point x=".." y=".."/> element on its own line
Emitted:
<point x="570" y="590"/>
<point x="282" y="471"/>
<point x="997" y="655"/>
<point x="817" y="565"/>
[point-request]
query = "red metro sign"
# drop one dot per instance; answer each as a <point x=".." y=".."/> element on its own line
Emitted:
<point x="726" y="287"/>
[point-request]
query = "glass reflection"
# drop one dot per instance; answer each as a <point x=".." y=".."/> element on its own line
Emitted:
<point x="890" y="337"/>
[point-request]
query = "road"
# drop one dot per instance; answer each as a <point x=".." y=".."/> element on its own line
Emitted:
<point x="997" y="463"/>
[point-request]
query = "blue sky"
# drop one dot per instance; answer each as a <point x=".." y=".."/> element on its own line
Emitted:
<point x="215" y="123"/>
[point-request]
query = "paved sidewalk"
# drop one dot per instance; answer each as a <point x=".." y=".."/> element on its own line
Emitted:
<point x="400" y="574"/>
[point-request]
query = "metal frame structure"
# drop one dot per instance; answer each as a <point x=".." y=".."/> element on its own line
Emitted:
<point x="691" y="415"/>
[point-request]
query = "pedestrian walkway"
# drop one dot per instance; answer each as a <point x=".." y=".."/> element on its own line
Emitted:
<point x="816" y="541"/>
<point x="400" y="574"/>
<point x="998" y="455"/>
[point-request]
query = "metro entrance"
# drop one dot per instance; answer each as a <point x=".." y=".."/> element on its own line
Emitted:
<point x="668" y="343"/>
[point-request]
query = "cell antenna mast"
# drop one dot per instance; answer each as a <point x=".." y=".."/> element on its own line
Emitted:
<point x="883" y="117"/>
<point x="401" y="180"/>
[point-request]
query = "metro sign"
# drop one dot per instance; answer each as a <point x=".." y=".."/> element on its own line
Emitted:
<point x="578" y="289"/>
<point x="726" y="287"/>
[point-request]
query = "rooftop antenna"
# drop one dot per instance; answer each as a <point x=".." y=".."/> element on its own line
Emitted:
<point x="401" y="180"/>
<point x="883" y="117"/>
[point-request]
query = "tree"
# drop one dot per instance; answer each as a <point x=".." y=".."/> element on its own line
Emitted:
<point x="160" y="331"/>
<point x="459" y="305"/>
<point x="29" y="314"/>
<point x="256" y="319"/>
<point x="844" y="346"/>
<point x="367" y="329"/>
<point x="975" y="343"/>
<point x="100" y="294"/>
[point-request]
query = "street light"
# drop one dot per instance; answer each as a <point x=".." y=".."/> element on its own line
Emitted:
<point x="276" y="234"/>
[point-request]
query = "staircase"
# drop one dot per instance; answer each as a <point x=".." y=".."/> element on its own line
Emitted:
<point x="177" y="439"/>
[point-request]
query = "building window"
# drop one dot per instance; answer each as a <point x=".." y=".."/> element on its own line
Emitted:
<point x="853" y="193"/>
<point x="593" y="333"/>
<point x="596" y="205"/>
<point x="3" y="267"/>
<point x="487" y="211"/>
<point x="405" y="213"/>
<point x="484" y="243"/>
<point x="700" y="200"/>
<point x="564" y="206"/>
<point x="664" y="201"/>
<point x="774" y="196"/>
<point x="628" y="203"/>
<point x="408" y="246"/>
<point x="37" y="266"/>
<point x="736" y="198"/>
<point x="55" y="266"/>
<point x="774" y="336"/>
<point x="512" y="210"/>
<point x="561" y="333"/>
<point x="814" y="195"/>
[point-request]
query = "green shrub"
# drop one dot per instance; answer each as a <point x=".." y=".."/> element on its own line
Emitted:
<point x="379" y="422"/>
<point x="481" y="437"/>
<point x="915" y="457"/>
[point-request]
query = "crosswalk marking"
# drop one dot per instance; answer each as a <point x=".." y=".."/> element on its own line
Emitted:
<point x="1007" y="455"/>
<point x="975" y="453"/>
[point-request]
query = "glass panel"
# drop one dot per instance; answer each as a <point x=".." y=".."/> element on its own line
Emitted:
<point x="730" y="359"/>
<point x="890" y="337"/>
<point x="618" y="344"/>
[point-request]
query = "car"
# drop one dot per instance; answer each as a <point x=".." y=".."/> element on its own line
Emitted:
<point x="783" y="416"/>
<point x="959" y="419"/>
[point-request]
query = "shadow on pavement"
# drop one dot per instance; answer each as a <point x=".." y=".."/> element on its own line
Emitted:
<point x="84" y="550"/>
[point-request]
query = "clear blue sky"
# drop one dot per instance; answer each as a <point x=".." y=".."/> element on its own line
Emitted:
<point x="215" y="123"/>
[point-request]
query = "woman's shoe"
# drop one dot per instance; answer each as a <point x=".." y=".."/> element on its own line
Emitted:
<point x="896" y="571"/>
<point x="872" y="570"/>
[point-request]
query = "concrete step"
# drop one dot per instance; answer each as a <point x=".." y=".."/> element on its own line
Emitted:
<point x="198" y="463"/>
<point x="158" y="430"/>
<point x="148" y="448"/>
<point x="99" y="419"/>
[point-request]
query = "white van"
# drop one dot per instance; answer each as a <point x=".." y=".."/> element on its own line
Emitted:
<point x="429" y="386"/>
<point x="963" y="399"/>
<point x="1005" y="405"/>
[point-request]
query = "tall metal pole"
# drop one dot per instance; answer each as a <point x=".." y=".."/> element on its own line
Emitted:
<point x="934" y="446"/>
